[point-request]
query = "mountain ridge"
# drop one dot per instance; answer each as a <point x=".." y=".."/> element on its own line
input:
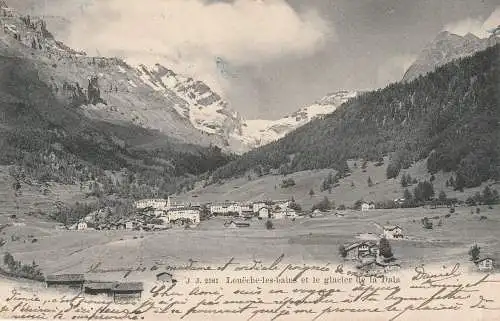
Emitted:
<point x="444" y="48"/>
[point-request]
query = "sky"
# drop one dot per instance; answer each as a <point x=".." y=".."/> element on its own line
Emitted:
<point x="266" y="57"/>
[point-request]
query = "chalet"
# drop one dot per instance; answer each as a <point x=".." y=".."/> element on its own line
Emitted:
<point x="99" y="288"/>
<point x="263" y="212"/>
<point x="358" y="250"/>
<point x="127" y="291"/>
<point x="72" y="281"/>
<point x="486" y="264"/>
<point x="257" y="206"/>
<point x="233" y="224"/>
<point x="393" y="232"/>
<point x="367" y="206"/>
<point x="129" y="225"/>
<point x="82" y="226"/>
<point x="7" y="12"/>
<point x="165" y="277"/>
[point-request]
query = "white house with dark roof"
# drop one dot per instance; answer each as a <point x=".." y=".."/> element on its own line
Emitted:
<point x="393" y="232"/>
<point x="359" y="250"/>
<point x="82" y="225"/>
<point x="263" y="212"/>
<point x="486" y="264"/>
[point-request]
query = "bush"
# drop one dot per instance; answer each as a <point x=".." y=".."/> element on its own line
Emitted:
<point x="357" y="204"/>
<point x="269" y="225"/>
<point x="287" y="183"/>
<point x="478" y="210"/>
<point x="18" y="269"/>
<point x="295" y="206"/>
<point x="423" y="192"/>
<point x="341" y="207"/>
<point x="342" y="251"/>
<point x="393" y="170"/>
<point x="324" y="205"/>
<point x="452" y="210"/>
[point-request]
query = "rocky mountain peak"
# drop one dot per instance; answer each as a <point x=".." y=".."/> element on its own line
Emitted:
<point x="446" y="47"/>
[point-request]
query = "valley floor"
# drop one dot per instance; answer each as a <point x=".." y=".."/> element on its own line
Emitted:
<point x="303" y="240"/>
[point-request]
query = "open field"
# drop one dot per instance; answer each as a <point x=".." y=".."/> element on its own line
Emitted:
<point x="303" y="240"/>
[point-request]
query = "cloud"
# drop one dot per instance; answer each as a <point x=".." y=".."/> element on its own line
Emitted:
<point x="394" y="68"/>
<point x="191" y="34"/>
<point x="477" y="26"/>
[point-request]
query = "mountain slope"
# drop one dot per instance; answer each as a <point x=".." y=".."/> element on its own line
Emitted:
<point x="108" y="89"/>
<point x="445" y="48"/>
<point x="451" y="115"/>
<point x="46" y="131"/>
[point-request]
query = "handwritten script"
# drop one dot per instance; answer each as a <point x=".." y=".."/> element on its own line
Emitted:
<point x="273" y="291"/>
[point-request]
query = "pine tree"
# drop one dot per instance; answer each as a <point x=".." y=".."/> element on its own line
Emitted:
<point x="370" y="183"/>
<point x="459" y="183"/>
<point x="474" y="252"/>
<point x="385" y="249"/>
<point x="404" y="182"/>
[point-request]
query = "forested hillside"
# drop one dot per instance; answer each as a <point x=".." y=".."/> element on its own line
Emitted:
<point x="48" y="141"/>
<point x="451" y="116"/>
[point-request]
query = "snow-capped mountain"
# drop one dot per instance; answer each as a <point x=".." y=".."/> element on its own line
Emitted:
<point x="260" y="132"/>
<point x="445" y="48"/>
<point x="152" y="97"/>
<point x="200" y="105"/>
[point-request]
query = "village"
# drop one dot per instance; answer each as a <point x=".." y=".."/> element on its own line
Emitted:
<point x="162" y="214"/>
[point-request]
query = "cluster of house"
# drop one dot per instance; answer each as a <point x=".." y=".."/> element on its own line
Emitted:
<point x="277" y="209"/>
<point x="169" y="211"/>
<point x="367" y="252"/>
<point x="151" y="215"/>
<point x="121" y="292"/>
